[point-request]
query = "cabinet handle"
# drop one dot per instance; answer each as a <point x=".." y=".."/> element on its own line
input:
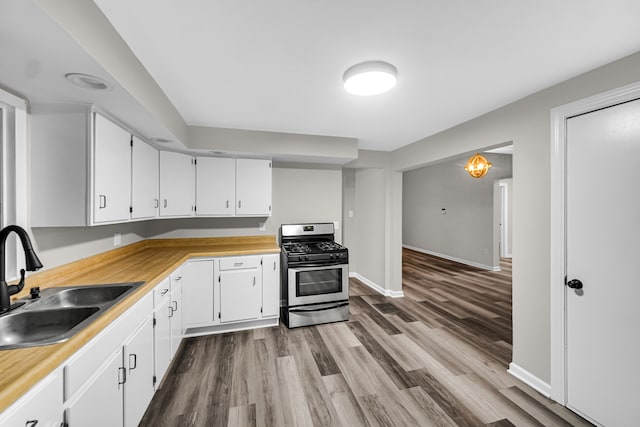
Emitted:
<point x="165" y="203"/>
<point x="156" y="203"/>
<point x="254" y="280"/>
<point x="122" y="376"/>
<point x="239" y="203"/>
<point x="274" y="266"/>
<point x="238" y="264"/>
<point x="102" y="201"/>
<point x="227" y="204"/>
<point x="170" y="311"/>
<point x="31" y="423"/>
<point x="164" y="292"/>
<point x="135" y="362"/>
<point x="175" y="305"/>
<point x="177" y="279"/>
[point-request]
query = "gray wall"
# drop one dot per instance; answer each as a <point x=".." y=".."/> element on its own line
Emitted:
<point x="366" y="242"/>
<point x="526" y="123"/>
<point x="300" y="194"/>
<point x="466" y="231"/>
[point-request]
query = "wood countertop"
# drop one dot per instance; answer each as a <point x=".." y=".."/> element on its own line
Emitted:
<point x="149" y="261"/>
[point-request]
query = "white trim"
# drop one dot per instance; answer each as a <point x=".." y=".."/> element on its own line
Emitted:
<point x="376" y="287"/>
<point x="452" y="258"/>
<point x="559" y="115"/>
<point x="529" y="379"/>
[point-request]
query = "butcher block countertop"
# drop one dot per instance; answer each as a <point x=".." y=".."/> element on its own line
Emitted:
<point x="149" y="261"/>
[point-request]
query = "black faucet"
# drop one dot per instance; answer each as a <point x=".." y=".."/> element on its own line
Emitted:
<point x="32" y="263"/>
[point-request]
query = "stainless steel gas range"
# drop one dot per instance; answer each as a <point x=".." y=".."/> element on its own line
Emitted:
<point x="315" y="275"/>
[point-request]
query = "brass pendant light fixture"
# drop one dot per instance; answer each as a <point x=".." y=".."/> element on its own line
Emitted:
<point x="477" y="166"/>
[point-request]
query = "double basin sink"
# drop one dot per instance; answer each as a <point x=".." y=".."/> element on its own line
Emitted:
<point x="59" y="313"/>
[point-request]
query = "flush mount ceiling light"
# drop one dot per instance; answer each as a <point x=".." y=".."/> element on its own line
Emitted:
<point x="87" y="81"/>
<point x="161" y="140"/>
<point x="370" y="78"/>
<point x="477" y="166"/>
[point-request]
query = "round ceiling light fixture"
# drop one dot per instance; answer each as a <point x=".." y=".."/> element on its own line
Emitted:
<point x="87" y="81"/>
<point x="370" y="78"/>
<point x="477" y="166"/>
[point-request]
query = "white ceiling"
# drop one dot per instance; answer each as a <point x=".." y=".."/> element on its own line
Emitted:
<point x="277" y="65"/>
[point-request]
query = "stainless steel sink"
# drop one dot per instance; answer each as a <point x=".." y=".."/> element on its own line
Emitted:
<point x="39" y="327"/>
<point x="59" y="314"/>
<point x="81" y="296"/>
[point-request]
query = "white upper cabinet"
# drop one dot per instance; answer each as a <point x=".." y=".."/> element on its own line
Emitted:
<point x="215" y="186"/>
<point x="144" y="180"/>
<point x="111" y="171"/>
<point x="253" y="187"/>
<point x="177" y="184"/>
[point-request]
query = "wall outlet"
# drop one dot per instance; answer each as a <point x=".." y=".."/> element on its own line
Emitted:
<point x="350" y="214"/>
<point x="261" y="226"/>
<point x="336" y="225"/>
<point x="117" y="239"/>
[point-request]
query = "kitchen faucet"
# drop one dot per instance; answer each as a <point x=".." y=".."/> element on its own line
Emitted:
<point x="32" y="263"/>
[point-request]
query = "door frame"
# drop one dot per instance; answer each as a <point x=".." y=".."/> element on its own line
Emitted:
<point x="559" y="116"/>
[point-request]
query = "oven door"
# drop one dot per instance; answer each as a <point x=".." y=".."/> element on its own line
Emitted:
<point x="312" y="285"/>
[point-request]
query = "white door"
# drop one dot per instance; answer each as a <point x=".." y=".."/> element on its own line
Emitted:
<point x="240" y="295"/>
<point x="138" y="361"/>
<point x="603" y="231"/>
<point x="111" y="171"/>
<point x="253" y="187"/>
<point x="177" y="184"/>
<point x="144" y="176"/>
<point x="271" y="285"/>
<point x="215" y="186"/>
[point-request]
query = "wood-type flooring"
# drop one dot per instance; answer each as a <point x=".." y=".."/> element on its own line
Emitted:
<point x="436" y="357"/>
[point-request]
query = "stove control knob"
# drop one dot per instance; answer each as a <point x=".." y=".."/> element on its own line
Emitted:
<point x="333" y="256"/>
<point x="306" y="258"/>
<point x="299" y="258"/>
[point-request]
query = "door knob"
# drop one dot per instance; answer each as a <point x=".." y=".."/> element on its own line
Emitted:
<point x="574" y="284"/>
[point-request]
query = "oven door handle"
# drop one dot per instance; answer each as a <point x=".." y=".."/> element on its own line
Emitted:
<point x="331" y="307"/>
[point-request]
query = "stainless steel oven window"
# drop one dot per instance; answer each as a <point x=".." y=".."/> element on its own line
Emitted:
<point x="318" y="282"/>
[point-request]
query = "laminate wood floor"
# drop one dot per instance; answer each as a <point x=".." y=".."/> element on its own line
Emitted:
<point x="437" y="357"/>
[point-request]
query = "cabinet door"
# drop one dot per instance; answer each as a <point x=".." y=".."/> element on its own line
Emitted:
<point x="271" y="285"/>
<point x="111" y="171"/>
<point x="176" y="316"/>
<point x="100" y="404"/>
<point x="138" y="362"/>
<point x="215" y="186"/>
<point x="162" y="338"/>
<point x="197" y="293"/>
<point x="41" y="406"/>
<point x="177" y="184"/>
<point x="240" y="295"/>
<point x="145" y="170"/>
<point x="253" y="187"/>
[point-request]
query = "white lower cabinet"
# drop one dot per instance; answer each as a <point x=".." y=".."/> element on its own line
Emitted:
<point x="219" y="293"/>
<point x="41" y="406"/>
<point x="239" y="289"/>
<point x="167" y="330"/>
<point x="100" y="402"/>
<point x="197" y="293"/>
<point x="161" y="329"/>
<point x="138" y="364"/>
<point x="271" y="285"/>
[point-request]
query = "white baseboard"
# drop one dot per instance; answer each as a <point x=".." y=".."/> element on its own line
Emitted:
<point x="376" y="287"/>
<point x="529" y="379"/>
<point x="455" y="259"/>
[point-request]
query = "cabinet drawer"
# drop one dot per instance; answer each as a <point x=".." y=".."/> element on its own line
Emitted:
<point x="161" y="292"/>
<point x="239" y="263"/>
<point x="82" y="365"/>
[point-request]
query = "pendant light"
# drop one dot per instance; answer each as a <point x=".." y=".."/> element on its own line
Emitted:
<point x="477" y="166"/>
<point x="370" y="78"/>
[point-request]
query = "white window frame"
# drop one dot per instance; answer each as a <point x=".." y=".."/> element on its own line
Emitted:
<point x="13" y="180"/>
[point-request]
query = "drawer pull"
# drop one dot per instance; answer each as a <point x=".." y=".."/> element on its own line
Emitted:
<point x="238" y="264"/>
<point x="164" y="292"/>
<point x="31" y="423"/>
